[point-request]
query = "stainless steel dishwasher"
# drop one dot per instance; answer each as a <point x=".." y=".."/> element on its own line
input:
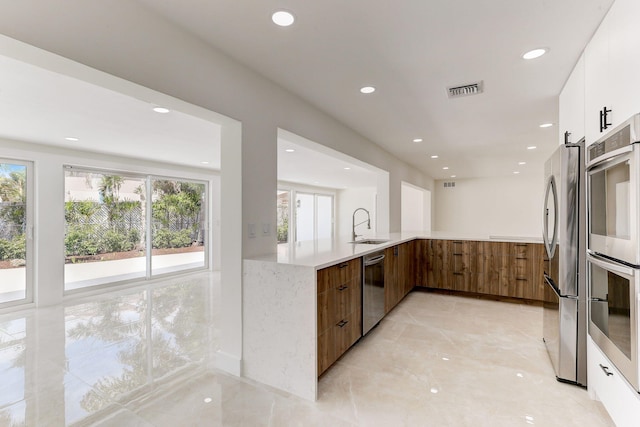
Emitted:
<point x="372" y="290"/>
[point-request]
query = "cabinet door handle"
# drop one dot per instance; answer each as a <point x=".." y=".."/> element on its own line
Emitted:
<point x="342" y="323"/>
<point x="606" y="370"/>
<point x="521" y="278"/>
<point x="604" y="121"/>
<point x="457" y="273"/>
<point x="343" y="287"/>
<point x="343" y="265"/>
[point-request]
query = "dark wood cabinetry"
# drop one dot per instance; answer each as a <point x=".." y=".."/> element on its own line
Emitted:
<point x="339" y="310"/>
<point x="399" y="273"/>
<point x="506" y="269"/>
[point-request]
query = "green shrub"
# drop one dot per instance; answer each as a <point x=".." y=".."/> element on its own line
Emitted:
<point x="80" y="240"/>
<point x="165" y="238"/>
<point x="113" y="241"/>
<point x="15" y="248"/>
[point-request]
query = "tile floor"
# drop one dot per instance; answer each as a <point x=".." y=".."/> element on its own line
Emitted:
<point x="143" y="357"/>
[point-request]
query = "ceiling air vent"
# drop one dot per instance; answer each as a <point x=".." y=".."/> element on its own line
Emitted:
<point x="465" y="90"/>
<point x="449" y="184"/>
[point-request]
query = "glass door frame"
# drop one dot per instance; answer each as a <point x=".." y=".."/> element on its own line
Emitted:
<point x="29" y="233"/>
<point x="148" y="178"/>
<point x="293" y="194"/>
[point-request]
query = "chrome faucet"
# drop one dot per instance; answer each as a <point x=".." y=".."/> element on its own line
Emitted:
<point x="354" y="225"/>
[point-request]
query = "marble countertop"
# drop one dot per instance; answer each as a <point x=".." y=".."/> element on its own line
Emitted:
<point x="324" y="253"/>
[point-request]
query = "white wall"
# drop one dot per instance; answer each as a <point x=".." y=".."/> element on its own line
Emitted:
<point x="348" y="201"/>
<point x="501" y="206"/>
<point x="416" y="208"/>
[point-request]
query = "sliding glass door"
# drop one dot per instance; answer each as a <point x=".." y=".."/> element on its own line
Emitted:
<point x="16" y="232"/>
<point x="113" y="218"/>
<point x="179" y="220"/>
<point x="314" y="216"/>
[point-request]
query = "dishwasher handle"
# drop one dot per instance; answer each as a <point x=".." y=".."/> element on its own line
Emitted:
<point x="374" y="260"/>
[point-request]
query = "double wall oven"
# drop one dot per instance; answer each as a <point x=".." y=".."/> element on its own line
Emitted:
<point x="613" y="260"/>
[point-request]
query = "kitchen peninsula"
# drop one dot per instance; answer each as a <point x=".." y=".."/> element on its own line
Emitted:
<point x="281" y="299"/>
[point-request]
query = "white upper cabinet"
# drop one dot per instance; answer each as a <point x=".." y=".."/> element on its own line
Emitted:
<point x="612" y="61"/>
<point x="624" y="58"/>
<point x="571" y="109"/>
<point x="597" y="82"/>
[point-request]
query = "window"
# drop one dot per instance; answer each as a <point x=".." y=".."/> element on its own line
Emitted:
<point x="283" y="216"/>
<point x="110" y="225"/>
<point x="16" y="242"/>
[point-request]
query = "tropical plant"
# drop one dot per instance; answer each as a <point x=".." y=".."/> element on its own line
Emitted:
<point x="13" y="197"/>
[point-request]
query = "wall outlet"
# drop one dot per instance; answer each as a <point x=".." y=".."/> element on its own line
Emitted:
<point x="266" y="229"/>
<point x="251" y="230"/>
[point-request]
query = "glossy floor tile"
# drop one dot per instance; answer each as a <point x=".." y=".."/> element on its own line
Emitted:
<point x="143" y="357"/>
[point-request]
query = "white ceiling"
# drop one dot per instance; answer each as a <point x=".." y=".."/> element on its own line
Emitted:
<point x="45" y="107"/>
<point x="312" y="164"/>
<point x="411" y="51"/>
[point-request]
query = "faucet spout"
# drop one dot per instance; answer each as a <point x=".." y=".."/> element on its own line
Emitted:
<point x="354" y="225"/>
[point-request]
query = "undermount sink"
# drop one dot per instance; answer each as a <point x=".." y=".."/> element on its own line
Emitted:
<point x="370" y="241"/>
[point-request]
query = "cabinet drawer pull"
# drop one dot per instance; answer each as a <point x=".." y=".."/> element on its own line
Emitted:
<point x="343" y="265"/>
<point x="521" y="257"/>
<point x="343" y="287"/>
<point x="521" y="244"/>
<point x="606" y="370"/>
<point x="521" y="278"/>
<point x="457" y="273"/>
<point x="342" y="323"/>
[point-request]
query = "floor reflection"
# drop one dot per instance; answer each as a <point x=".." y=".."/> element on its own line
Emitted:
<point x="144" y="358"/>
<point x="82" y="363"/>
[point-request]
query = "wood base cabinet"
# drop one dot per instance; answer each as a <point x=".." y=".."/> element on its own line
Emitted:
<point x="339" y="310"/>
<point x="505" y="269"/>
<point x="399" y="273"/>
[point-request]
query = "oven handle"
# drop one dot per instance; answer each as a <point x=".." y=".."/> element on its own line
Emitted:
<point x="610" y="265"/>
<point x="610" y="159"/>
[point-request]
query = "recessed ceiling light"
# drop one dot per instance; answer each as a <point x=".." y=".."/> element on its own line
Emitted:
<point x="522" y="163"/>
<point x="72" y="138"/>
<point x="531" y="147"/>
<point x="434" y="390"/>
<point x="161" y="110"/>
<point x="453" y="176"/>
<point x="417" y="140"/>
<point x="446" y="167"/>
<point x="435" y="156"/>
<point x="367" y="89"/>
<point x="535" y="53"/>
<point x="282" y="18"/>
<point x="290" y="150"/>
<point x="347" y="169"/>
<point x="208" y="400"/>
<point x="204" y="162"/>
<point x="546" y="125"/>
<point x="516" y="172"/>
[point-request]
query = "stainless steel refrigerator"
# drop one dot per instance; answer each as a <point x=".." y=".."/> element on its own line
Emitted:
<point x="564" y="235"/>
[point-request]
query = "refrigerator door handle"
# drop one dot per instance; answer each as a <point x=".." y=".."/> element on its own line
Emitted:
<point x="550" y="245"/>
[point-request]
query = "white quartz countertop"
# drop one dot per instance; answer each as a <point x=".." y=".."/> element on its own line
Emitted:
<point x="324" y="253"/>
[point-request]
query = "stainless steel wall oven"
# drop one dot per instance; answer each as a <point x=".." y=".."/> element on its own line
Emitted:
<point x="613" y="322"/>
<point x="613" y="252"/>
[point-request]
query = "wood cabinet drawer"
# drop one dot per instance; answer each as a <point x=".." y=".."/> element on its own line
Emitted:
<point x="348" y="297"/>
<point x="347" y="331"/>
<point x="336" y="340"/>
<point x="338" y="274"/>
